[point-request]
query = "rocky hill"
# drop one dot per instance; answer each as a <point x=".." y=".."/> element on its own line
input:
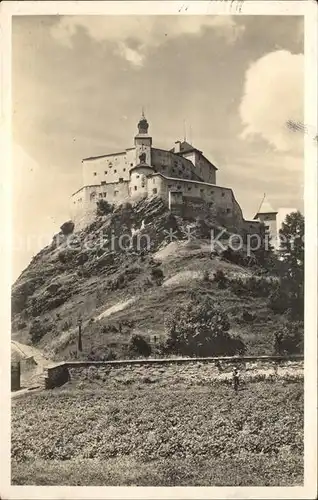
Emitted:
<point x="121" y="275"/>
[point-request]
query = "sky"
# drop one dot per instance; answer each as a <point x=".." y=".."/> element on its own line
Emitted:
<point x="79" y="84"/>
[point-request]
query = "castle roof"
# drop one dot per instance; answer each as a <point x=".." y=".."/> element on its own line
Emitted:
<point x="185" y="147"/>
<point x="265" y="208"/>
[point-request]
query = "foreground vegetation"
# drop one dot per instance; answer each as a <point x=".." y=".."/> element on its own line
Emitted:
<point x="160" y="434"/>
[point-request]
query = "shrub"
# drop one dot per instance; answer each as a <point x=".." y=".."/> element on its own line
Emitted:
<point x="67" y="228"/>
<point x="220" y="279"/>
<point x="66" y="256"/>
<point x="38" y="329"/>
<point x="248" y="317"/>
<point x="205" y="277"/>
<point x="100" y="354"/>
<point x="200" y="329"/>
<point x="103" y="208"/>
<point x="289" y="339"/>
<point x="66" y="325"/>
<point x="157" y="275"/>
<point x="139" y="345"/>
<point x="288" y="298"/>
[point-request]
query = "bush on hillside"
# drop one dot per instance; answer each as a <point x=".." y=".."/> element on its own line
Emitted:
<point x="286" y="299"/>
<point x="248" y="317"/>
<point x="67" y="228"/>
<point x="220" y="279"/>
<point x="205" y="276"/>
<point x="66" y="256"/>
<point x="289" y="339"/>
<point x="157" y="275"/>
<point x="252" y="286"/>
<point x="139" y="345"/>
<point x="38" y="329"/>
<point x="199" y="328"/>
<point x="103" y="208"/>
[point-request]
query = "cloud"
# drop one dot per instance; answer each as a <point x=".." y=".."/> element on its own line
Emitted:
<point x="273" y="96"/>
<point x="134" y="36"/>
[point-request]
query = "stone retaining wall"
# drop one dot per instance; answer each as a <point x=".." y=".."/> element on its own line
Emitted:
<point x="129" y="371"/>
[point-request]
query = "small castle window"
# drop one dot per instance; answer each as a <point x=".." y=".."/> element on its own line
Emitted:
<point x="131" y="164"/>
<point x="169" y="186"/>
<point x="228" y="210"/>
<point x="110" y="165"/>
<point x="115" y="171"/>
<point x="100" y="195"/>
<point x="189" y="188"/>
<point x="120" y="179"/>
<point x="95" y="173"/>
<point x="266" y="227"/>
<point x="178" y="187"/>
<point x="154" y="190"/>
<point x="103" y="183"/>
<point x="105" y="172"/>
<point x="135" y="188"/>
<point x="201" y="190"/>
<point x="211" y="192"/>
<point x="104" y="195"/>
<point x="137" y="176"/>
<point x="223" y="194"/>
<point x="124" y="170"/>
<point x="115" y="193"/>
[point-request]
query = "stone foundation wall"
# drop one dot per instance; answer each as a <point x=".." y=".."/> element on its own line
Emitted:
<point x="203" y="369"/>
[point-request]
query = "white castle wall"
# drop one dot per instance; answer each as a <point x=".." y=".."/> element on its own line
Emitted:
<point x="108" y="169"/>
<point x="144" y="183"/>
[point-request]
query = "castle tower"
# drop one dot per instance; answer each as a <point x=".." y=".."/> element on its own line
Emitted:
<point x="143" y="140"/>
<point x="268" y="216"/>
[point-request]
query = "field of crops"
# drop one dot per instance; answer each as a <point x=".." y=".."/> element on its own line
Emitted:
<point x="152" y="434"/>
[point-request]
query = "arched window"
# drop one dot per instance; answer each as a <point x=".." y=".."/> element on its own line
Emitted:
<point x="92" y="196"/>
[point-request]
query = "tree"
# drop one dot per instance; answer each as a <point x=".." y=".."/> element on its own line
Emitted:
<point x="290" y="295"/>
<point x="199" y="328"/>
<point x="291" y="249"/>
<point x="139" y="345"/>
<point x="103" y="207"/>
<point x="289" y="339"/>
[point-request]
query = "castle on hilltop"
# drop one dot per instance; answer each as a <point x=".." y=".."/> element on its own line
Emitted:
<point x="182" y="176"/>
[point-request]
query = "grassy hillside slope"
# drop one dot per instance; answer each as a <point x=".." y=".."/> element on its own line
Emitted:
<point x="116" y="291"/>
